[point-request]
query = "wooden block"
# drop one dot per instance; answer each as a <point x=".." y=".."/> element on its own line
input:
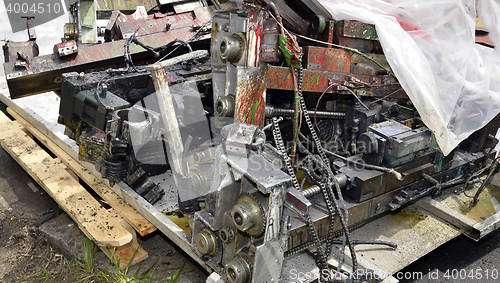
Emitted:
<point x="90" y="216"/>
<point x="125" y="253"/>
<point x="132" y="216"/>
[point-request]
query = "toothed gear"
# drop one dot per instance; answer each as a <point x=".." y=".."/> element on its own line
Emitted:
<point x="229" y="235"/>
<point x="203" y="246"/>
<point x="249" y="216"/>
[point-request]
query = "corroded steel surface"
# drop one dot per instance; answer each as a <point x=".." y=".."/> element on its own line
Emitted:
<point x="44" y="72"/>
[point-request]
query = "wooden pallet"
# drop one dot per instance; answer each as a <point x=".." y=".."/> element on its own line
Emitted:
<point x="133" y="218"/>
<point x="110" y="231"/>
<point x="44" y="121"/>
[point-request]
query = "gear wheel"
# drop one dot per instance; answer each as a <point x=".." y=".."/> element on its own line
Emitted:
<point x="232" y="47"/>
<point x="226" y="235"/>
<point x="249" y="216"/>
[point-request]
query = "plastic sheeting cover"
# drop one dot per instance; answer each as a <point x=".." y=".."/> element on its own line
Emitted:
<point x="453" y="82"/>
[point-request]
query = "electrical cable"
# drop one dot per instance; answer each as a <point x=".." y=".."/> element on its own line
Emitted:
<point x="493" y="167"/>
<point x="152" y="8"/>
<point x="363" y="165"/>
<point x="357" y="98"/>
<point x="354" y="50"/>
<point x="187" y="41"/>
<point x="483" y="185"/>
<point x="312" y="165"/>
<point x="317" y="103"/>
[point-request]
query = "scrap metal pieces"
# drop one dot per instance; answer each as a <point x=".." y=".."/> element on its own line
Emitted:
<point x="66" y="48"/>
<point x="358" y="35"/>
<point x="45" y="72"/>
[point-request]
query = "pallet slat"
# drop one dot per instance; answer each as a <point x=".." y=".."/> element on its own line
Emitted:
<point x="162" y="222"/>
<point x="132" y="216"/>
<point x="91" y="217"/>
<point x="124" y="254"/>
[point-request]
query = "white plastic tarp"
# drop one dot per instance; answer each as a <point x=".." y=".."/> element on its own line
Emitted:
<point x="453" y="82"/>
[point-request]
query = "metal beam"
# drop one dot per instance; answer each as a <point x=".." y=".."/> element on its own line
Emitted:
<point x="44" y="73"/>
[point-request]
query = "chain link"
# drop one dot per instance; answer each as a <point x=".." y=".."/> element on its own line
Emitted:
<point x="309" y="123"/>
<point x="311" y="165"/>
<point x="278" y="139"/>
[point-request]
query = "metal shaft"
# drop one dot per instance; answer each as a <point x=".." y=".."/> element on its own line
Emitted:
<point x="271" y="111"/>
<point x="312" y="191"/>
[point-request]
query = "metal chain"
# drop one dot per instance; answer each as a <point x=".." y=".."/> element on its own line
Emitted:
<point x="321" y="259"/>
<point x="309" y="123"/>
<point x="326" y="195"/>
<point x="307" y="245"/>
<point x="327" y="178"/>
<point x="278" y="139"/>
<point x="311" y="165"/>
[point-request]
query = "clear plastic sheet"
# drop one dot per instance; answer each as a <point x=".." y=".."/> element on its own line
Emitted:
<point x="453" y="82"/>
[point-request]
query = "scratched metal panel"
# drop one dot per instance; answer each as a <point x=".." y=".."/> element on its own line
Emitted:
<point x="111" y="5"/>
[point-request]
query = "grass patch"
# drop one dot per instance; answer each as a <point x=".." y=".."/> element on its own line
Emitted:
<point x="77" y="272"/>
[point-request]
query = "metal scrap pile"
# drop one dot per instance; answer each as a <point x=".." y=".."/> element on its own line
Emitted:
<point x="282" y="126"/>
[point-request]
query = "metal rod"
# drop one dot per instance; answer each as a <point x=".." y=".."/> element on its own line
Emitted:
<point x="271" y="111"/>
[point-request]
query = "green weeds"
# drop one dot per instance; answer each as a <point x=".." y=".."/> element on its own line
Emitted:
<point x="76" y="272"/>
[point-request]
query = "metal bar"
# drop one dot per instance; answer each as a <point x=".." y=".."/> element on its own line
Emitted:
<point x="318" y="81"/>
<point x="487" y="226"/>
<point x="449" y="215"/>
<point x="44" y="72"/>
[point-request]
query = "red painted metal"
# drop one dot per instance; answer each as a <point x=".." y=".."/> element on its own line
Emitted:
<point x="46" y="71"/>
<point x="66" y="48"/>
<point x="327" y="59"/>
<point x="273" y="77"/>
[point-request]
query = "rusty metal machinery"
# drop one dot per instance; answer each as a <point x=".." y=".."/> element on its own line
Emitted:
<point x="283" y="132"/>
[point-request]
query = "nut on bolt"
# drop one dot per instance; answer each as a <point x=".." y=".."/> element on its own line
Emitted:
<point x="206" y="243"/>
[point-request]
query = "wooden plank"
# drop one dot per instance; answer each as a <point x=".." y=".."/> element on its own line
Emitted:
<point x="63" y="165"/>
<point x="124" y="254"/>
<point x="22" y="128"/>
<point x="134" y="218"/>
<point x="180" y="237"/>
<point x="90" y="216"/>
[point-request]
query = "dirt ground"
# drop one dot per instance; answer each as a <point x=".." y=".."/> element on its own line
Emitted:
<point x="26" y="255"/>
<point x="25" y="252"/>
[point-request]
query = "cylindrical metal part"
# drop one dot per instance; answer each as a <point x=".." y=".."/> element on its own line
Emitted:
<point x="367" y="143"/>
<point x="224" y="106"/>
<point x="226" y="234"/>
<point x="314" y="190"/>
<point x="311" y="191"/>
<point x="239" y="270"/>
<point x="247" y="215"/>
<point x="318" y="24"/>
<point x="104" y="90"/>
<point x="206" y="242"/>
<point x="272" y="111"/>
<point x="231" y="47"/>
